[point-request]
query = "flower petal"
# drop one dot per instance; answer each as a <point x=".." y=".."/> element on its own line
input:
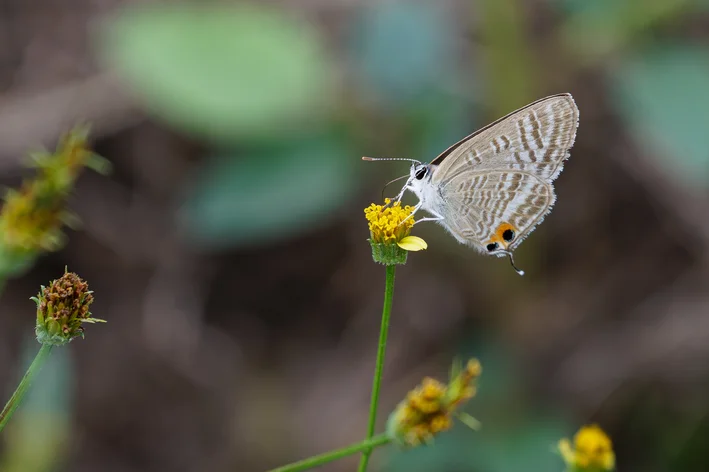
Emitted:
<point x="412" y="243"/>
<point x="567" y="452"/>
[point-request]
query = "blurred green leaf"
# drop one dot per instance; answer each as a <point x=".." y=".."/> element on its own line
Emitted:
<point x="271" y="193"/>
<point x="512" y="70"/>
<point x="437" y="120"/>
<point x="14" y="263"/>
<point x="224" y="72"/>
<point x="404" y="48"/>
<point x="39" y="431"/>
<point x="599" y="28"/>
<point x="662" y="95"/>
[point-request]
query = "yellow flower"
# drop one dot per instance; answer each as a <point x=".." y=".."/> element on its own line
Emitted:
<point x="389" y="228"/>
<point x="592" y="451"/>
<point x="429" y="408"/>
<point x="32" y="217"/>
<point x="385" y="221"/>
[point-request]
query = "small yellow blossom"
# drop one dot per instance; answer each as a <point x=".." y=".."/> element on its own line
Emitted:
<point x="430" y="407"/>
<point x="412" y="243"/>
<point x="389" y="228"/>
<point x="592" y="451"/>
<point x="32" y="217"/>
<point x="385" y="221"/>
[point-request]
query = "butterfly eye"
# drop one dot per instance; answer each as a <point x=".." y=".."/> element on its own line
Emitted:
<point x="421" y="173"/>
<point x="508" y="235"/>
<point x="492" y="246"/>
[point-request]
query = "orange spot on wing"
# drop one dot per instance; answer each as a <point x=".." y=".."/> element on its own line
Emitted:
<point x="497" y="236"/>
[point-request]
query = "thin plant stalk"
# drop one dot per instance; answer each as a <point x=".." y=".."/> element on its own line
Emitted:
<point x="315" y="461"/>
<point x="21" y="390"/>
<point x="383" y="332"/>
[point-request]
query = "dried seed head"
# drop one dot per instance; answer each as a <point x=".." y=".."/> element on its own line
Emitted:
<point x="62" y="308"/>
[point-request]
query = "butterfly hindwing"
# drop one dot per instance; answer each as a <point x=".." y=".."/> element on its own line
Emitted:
<point x="483" y="205"/>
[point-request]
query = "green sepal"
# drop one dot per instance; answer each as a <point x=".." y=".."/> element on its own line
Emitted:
<point x="469" y="421"/>
<point x="53" y="328"/>
<point x="99" y="164"/>
<point x="44" y="337"/>
<point x="388" y="253"/>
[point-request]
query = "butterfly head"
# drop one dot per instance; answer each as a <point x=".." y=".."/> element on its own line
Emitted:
<point x="420" y="176"/>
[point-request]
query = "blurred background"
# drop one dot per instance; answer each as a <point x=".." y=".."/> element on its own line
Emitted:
<point x="228" y="249"/>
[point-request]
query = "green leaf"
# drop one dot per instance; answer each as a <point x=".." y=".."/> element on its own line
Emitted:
<point x="662" y="95"/>
<point x="223" y="72"/>
<point x="269" y="194"/>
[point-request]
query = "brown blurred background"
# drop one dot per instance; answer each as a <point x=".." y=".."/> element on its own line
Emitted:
<point x="228" y="251"/>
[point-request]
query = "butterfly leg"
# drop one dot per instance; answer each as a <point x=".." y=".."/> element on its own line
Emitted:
<point x="435" y="217"/>
<point x="401" y="194"/>
<point x="413" y="212"/>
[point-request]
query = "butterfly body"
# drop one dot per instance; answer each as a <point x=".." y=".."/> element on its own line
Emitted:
<point x="493" y="187"/>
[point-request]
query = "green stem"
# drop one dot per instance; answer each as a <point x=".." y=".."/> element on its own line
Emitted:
<point x="19" y="394"/>
<point x="383" y="331"/>
<point x="315" y="461"/>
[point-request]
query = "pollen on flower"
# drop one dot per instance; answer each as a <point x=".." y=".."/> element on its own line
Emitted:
<point x="426" y="398"/>
<point x="429" y="408"/>
<point x="592" y="450"/>
<point x="440" y="423"/>
<point x="385" y="221"/>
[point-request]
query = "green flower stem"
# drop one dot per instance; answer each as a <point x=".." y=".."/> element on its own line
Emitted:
<point x="384" y="330"/>
<point x="19" y="394"/>
<point x="316" y="461"/>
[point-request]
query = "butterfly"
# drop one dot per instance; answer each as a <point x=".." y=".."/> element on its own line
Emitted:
<point x="492" y="188"/>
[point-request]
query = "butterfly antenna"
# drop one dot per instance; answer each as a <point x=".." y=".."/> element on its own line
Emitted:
<point x="364" y="158"/>
<point x="512" y="262"/>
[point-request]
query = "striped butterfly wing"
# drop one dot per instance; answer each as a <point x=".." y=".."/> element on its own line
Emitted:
<point x="497" y="182"/>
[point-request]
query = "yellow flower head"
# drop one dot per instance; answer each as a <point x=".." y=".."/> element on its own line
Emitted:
<point x="592" y="451"/>
<point x="385" y="224"/>
<point x="429" y="408"/>
<point x="32" y="217"/>
<point x="389" y="228"/>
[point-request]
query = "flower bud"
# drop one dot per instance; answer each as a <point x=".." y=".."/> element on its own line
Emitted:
<point x="62" y="307"/>
<point x="592" y="451"/>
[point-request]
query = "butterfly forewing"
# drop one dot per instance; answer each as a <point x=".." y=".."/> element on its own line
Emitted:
<point x="501" y="177"/>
